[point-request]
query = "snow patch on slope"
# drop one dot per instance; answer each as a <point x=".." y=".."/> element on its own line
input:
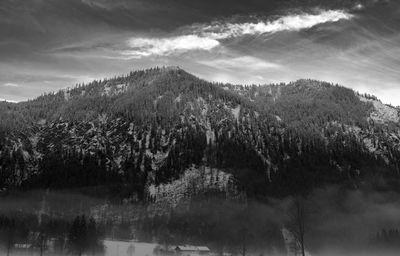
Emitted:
<point x="178" y="99"/>
<point x="67" y="94"/>
<point x="382" y="113"/>
<point x="113" y="89"/>
<point x="236" y="112"/>
<point x="193" y="181"/>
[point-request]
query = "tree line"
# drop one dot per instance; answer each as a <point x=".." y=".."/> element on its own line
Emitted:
<point x="48" y="235"/>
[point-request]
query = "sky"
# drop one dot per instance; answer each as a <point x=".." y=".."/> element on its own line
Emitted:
<point x="47" y="45"/>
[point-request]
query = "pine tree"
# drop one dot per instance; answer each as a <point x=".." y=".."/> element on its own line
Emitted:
<point x="77" y="237"/>
<point x="93" y="234"/>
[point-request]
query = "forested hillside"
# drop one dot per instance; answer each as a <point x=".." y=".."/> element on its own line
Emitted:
<point x="158" y="133"/>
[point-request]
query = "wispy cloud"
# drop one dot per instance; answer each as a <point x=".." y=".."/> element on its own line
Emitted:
<point x="250" y="62"/>
<point x="195" y="37"/>
<point x="12" y="101"/>
<point x="11" y="85"/>
<point x="140" y="47"/>
<point x="232" y="67"/>
<point x="209" y="36"/>
<point x="286" y="23"/>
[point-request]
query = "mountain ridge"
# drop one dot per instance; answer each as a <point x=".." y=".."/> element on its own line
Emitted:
<point x="151" y="128"/>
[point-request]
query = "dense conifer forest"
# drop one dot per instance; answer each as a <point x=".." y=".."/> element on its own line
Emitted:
<point x="150" y="126"/>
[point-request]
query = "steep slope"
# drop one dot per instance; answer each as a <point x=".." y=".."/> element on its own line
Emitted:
<point x="156" y="134"/>
<point x="149" y="132"/>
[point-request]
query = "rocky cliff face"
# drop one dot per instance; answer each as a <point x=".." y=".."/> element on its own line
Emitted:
<point x="163" y="133"/>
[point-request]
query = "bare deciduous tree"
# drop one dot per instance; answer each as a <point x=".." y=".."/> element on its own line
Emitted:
<point x="297" y="222"/>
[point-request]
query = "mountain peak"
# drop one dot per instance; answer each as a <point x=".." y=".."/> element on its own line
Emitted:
<point x="172" y="68"/>
<point x="310" y="83"/>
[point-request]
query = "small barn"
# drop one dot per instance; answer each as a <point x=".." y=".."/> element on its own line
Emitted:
<point x="203" y="250"/>
<point x="190" y="250"/>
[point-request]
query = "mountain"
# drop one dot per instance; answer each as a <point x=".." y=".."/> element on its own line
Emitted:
<point x="161" y="135"/>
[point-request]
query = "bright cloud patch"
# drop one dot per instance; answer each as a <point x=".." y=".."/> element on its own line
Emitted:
<point x="208" y="36"/>
<point x="165" y="46"/>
